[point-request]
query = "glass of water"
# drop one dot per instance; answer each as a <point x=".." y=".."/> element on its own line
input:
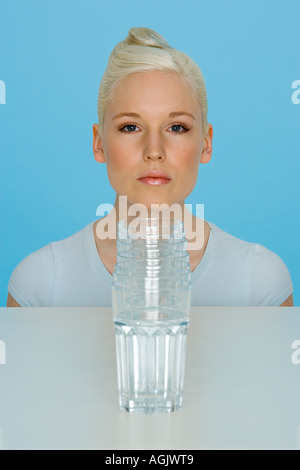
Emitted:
<point x="151" y="298"/>
<point x="151" y="332"/>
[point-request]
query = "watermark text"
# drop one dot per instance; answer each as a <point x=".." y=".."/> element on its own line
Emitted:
<point x="296" y="354"/>
<point x="2" y="353"/>
<point x="2" y="92"/>
<point x="135" y="214"/>
<point x="156" y="459"/>
<point x="296" y="94"/>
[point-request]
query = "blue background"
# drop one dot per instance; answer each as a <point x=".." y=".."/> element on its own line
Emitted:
<point x="52" y="57"/>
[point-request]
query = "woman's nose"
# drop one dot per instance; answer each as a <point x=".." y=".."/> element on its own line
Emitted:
<point x="154" y="149"/>
<point x="153" y="157"/>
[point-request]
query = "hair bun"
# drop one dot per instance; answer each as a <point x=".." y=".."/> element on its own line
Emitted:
<point x="146" y="37"/>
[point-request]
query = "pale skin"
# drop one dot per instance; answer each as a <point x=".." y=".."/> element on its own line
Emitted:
<point x="155" y="139"/>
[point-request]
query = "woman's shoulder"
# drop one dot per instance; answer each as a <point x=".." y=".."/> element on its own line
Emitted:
<point x="46" y="254"/>
<point x="269" y="279"/>
<point x="256" y="256"/>
<point x="32" y="280"/>
<point x="72" y="244"/>
<point x="222" y="238"/>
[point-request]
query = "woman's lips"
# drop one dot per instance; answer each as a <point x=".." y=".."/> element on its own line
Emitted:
<point x="154" y="181"/>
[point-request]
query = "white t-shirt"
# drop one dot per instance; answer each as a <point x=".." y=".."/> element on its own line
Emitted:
<point x="70" y="272"/>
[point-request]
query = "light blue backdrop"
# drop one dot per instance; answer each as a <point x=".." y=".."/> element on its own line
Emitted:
<point x="52" y="56"/>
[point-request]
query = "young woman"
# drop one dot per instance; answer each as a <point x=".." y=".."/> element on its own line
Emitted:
<point x="152" y="134"/>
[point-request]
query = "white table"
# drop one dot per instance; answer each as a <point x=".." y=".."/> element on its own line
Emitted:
<point x="58" y="388"/>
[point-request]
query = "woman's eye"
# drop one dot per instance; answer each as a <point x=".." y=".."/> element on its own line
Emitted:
<point x="176" y="128"/>
<point x="129" y="128"/>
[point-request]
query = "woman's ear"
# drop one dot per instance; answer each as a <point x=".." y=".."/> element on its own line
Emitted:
<point x="97" y="145"/>
<point x="207" y="145"/>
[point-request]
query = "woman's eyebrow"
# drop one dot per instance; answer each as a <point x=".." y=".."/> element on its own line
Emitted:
<point x="181" y="113"/>
<point x="127" y="115"/>
<point x="171" y="115"/>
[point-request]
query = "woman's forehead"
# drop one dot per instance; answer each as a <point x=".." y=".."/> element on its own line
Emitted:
<point x="158" y="88"/>
<point x="151" y="79"/>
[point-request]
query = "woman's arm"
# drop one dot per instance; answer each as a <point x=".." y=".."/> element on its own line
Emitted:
<point x="289" y="302"/>
<point x="11" y="302"/>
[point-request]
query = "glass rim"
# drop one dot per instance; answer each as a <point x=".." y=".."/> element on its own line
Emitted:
<point x="149" y="248"/>
<point x="186" y="282"/>
<point x="160" y="290"/>
<point x="160" y="283"/>
<point x="153" y="268"/>
<point x="152" y="262"/>
<point x="151" y="272"/>
<point x="151" y="256"/>
<point x="150" y="235"/>
<point x="155" y="277"/>
<point x="152" y="250"/>
<point x="130" y="254"/>
<point x="185" y="265"/>
<point x="151" y="242"/>
<point x="162" y="259"/>
<point x="151" y="219"/>
<point x="165" y="260"/>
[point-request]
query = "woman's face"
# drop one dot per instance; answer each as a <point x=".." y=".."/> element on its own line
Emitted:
<point x="163" y="132"/>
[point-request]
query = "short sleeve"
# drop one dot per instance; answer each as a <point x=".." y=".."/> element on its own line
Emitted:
<point x="270" y="282"/>
<point x="31" y="283"/>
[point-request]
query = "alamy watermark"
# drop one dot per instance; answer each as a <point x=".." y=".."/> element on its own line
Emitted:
<point x="296" y="354"/>
<point x="2" y="362"/>
<point x="135" y="214"/>
<point x="296" y="94"/>
<point x="2" y="92"/>
<point x="2" y="353"/>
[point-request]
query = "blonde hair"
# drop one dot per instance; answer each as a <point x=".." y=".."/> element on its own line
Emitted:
<point x="144" y="50"/>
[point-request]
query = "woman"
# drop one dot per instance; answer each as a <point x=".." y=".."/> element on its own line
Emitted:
<point x="152" y="134"/>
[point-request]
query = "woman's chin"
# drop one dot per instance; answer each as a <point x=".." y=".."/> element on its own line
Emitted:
<point x="150" y="203"/>
<point x="150" y="200"/>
